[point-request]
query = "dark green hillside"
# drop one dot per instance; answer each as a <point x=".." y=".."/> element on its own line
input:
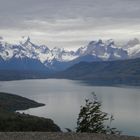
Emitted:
<point x="12" y="121"/>
<point x="7" y="75"/>
<point x="12" y="102"/>
<point x="107" y="72"/>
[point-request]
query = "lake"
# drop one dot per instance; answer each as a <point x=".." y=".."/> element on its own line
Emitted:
<point x="63" y="99"/>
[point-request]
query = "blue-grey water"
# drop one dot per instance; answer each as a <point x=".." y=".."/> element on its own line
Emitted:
<point x="63" y="99"/>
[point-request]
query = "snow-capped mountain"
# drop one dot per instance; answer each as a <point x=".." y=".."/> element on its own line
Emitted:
<point x="133" y="48"/>
<point x="59" y="59"/>
<point x="103" y="50"/>
<point x="44" y="54"/>
<point x="26" y="49"/>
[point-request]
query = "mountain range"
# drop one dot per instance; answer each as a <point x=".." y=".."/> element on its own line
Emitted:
<point x="25" y="55"/>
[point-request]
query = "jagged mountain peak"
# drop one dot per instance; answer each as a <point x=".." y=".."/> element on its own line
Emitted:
<point x="58" y="49"/>
<point x="110" y="42"/>
<point x="132" y="43"/>
<point x="25" y="40"/>
<point x="133" y="48"/>
<point x="100" y="41"/>
<point x="27" y="44"/>
<point x="95" y="42"/>
<point x="1" y="38"/>
<point x="104" y="50"/>
<point x="135" y="41"/>
<point x="97" y="50"/>
<point x="3" y="42"/>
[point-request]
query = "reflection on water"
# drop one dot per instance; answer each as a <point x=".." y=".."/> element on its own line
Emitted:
<point x="63" y="99"/>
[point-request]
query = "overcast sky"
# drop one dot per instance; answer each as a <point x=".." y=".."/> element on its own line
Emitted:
<point x="69" y="23"/>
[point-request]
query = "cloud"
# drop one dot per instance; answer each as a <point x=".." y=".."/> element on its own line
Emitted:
<point x="69" y="23"/>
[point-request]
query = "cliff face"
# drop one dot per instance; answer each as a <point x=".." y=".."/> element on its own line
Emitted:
<point x="60" y="136"/>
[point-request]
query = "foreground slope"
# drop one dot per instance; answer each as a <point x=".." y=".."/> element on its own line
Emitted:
<point x="61" y="136"/>
<point x="12" y="121"/>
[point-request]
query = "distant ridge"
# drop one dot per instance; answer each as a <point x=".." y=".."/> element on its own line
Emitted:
<point x="105" y="72"/>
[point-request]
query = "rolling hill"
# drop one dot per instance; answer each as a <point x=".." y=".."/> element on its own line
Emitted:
<point x="105" y="72"/>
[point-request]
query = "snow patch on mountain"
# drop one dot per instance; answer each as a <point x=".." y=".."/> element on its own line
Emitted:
<point x="104" y="50"/>
<point x="134" y="51"/>
<point x="133" y="48"/>
<point x="95" y="51"/>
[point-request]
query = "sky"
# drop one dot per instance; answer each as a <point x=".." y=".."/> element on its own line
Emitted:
<point x="69" y="23"/>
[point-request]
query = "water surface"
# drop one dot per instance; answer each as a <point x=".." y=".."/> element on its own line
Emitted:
<point x="63" y="99"/>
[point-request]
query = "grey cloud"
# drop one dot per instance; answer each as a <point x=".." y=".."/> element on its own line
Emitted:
<point x="43" y="9"/>
<point x="69" y="21"/>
